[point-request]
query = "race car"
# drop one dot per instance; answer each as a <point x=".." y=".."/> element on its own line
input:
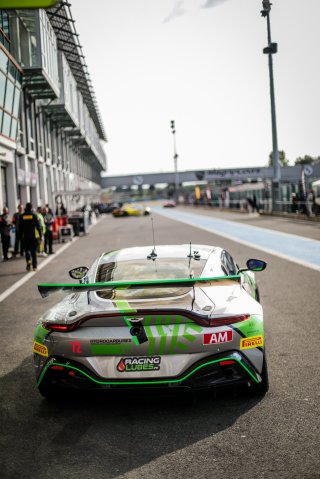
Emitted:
<point x="173" y="316"/>
<point x="169" y="204"/>
<point x="131" y="210"/>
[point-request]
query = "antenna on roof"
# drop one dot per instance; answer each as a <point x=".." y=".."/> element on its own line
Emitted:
<point x="153" y="253"/>
<point x="195" y="255"/>
<point x="190" y="256"/>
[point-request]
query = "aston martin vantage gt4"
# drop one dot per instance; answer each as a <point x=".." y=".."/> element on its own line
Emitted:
<point x="182" y="316"/>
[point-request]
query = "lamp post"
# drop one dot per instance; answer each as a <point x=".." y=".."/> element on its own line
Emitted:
<point x="270" y="50"/>
<point x="175" y="159"/>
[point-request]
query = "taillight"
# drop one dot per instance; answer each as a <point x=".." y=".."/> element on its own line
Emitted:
<point x="223" y="321"/>
<point x="61" y="328"/>
<point x="57" y="368"/>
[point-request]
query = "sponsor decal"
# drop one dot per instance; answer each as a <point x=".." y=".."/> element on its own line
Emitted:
<point x="217" y="338"/>
<point x="75" y="347"/>
<point x="110" y="341"/>
<point x="140" y="363"/>
<point x="252" y="342"/>
<point x="40" y="349"/>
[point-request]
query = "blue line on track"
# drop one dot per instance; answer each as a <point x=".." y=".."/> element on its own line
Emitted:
<point x="295" y="248"/>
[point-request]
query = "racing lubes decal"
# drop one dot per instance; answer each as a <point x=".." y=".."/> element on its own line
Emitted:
<point x="253" y="342"/>
<point x="40" y="349"/>
<point x="142" y="363"/>
<point x="216" y="338"/>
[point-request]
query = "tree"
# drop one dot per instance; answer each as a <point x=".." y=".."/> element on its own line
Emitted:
<point x="282" y="159"/>
<point x="306" y="160"/>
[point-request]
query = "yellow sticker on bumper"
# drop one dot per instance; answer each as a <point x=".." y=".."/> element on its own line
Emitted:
<point x="252" y="342"/>
<point x="40" y="349"/>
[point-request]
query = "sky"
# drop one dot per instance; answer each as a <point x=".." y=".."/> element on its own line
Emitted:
<point x="200" y="63"/>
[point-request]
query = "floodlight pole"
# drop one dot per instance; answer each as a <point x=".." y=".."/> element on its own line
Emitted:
<point x="175" y="159"/>
<point x="271" y="49"/>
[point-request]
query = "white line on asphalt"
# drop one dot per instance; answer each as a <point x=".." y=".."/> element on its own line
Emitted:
<point x="28" y="276"/>
<point x="246" y="243"/>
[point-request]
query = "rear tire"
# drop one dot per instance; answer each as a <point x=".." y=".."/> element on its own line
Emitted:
<point x="50" y="394"/>
<point x="257" y="295"/>
<point x="262" y="388"/>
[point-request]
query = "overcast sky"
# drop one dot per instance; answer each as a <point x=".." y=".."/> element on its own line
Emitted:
<point x="200" y="63"/>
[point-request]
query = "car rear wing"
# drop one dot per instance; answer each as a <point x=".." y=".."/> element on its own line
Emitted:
<point x="48" y="289"/>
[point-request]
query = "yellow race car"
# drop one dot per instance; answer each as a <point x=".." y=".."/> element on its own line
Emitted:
<point x="131" y="210"/>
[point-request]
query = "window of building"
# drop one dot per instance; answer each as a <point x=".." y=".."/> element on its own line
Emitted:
<point x="2" y="87"/>
<point x="6" y="125"/>
<point x="10" y="91"/>
<point x="8" y="103"/>
<point x="39" y="123"/>
<point x="4" y="29"/>
<point x="4" y="188"/>
<point x="30" y="123"/>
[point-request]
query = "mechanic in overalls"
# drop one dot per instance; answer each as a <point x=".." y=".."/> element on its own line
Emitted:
<point x="29" y="223"/>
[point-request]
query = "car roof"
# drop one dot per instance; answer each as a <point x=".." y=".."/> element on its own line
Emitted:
<point x="162" y="251"/>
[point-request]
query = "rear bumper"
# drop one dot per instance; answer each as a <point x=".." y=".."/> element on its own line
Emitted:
<point x="212" y="372"/>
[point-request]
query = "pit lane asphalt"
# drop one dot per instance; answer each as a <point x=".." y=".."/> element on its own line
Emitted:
<point x="174" y="437"/>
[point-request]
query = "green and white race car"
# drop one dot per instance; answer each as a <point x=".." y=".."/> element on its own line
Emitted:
<point x="178" y="316"/>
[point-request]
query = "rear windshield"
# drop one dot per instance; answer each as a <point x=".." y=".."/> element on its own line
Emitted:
<point x="143" y="269"/>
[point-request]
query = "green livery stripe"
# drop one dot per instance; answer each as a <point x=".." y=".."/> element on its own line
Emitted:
<point x="252" y="327"/>
<point x="46" y="289"/>
<point x="111" y="349"/>
<point x="40" y="334"/>
<point x="167" y="381"/>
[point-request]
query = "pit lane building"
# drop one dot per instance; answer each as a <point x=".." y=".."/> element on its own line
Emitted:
<point x="51" y="132"/>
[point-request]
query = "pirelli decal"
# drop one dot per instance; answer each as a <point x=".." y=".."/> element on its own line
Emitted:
<point x="252" y="342"/>
<point x="40" y="349"/>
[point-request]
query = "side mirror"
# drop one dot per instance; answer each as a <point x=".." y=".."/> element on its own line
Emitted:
<point x="78" y="273"/>
<point x="254" y="265"/>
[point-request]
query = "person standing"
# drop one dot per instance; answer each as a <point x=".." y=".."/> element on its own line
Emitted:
<point x="61" y="210"/>
<point x="43" y="229"/>
<point x="28" y="225"/>
<point x="48" y="221"/>
<point x="5" y="230"/>
<point x="18" y="244"/>
<point x="255" y="206"/>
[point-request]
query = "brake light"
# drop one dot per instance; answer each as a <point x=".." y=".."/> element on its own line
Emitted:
<point x="57" y="368"/>
<point x="228" y="320"/>
<point x="62" y="328"/>
<point x="227" y="362"/>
